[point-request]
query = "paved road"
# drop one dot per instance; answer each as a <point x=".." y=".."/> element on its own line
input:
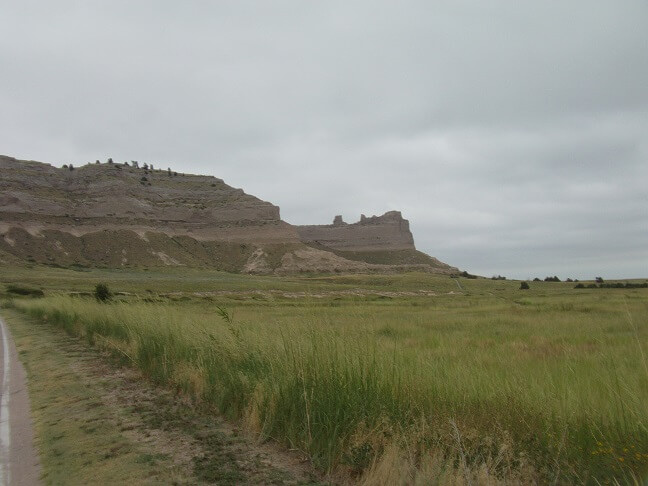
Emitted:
<point x="18" y="459"/>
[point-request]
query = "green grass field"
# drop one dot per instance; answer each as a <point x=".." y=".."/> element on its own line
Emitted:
<point x="407" y="378"/>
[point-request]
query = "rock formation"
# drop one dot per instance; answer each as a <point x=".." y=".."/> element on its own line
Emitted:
<point x="387" y="232"/>
<point x="117" y="215"/>
<point x="379" y="240"/>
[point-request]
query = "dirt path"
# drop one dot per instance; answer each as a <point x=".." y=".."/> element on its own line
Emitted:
<point x="100" y="423"/>
<point x="201" y="447"/>
<point x="18" y="459"/>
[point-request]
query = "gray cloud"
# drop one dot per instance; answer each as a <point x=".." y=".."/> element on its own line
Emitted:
<point x="513" y="136"/>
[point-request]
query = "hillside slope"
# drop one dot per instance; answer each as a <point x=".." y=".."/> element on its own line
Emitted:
<point x="116" y="215"/>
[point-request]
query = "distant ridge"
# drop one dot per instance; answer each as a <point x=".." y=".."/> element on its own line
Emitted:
<point x="123" y="215"/>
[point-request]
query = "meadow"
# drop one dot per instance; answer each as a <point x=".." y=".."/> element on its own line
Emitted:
<point x="392" y="379"/>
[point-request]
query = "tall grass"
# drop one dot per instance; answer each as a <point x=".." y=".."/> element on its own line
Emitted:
<point x="541" y="390"/>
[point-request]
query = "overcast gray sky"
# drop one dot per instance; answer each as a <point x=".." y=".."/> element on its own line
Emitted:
<point x="513" y="135"/>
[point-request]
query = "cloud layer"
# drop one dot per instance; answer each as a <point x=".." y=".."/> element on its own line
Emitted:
<point x="513" y="136"/>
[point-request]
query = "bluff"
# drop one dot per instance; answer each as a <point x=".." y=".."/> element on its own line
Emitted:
<point x="377" y="233"/>
<point x="385" y="239"/>
<point x="121" y="215"/>
<point x="39" y="196"/>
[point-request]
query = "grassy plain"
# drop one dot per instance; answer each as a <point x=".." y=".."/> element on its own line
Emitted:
<point x="411" y="379"/>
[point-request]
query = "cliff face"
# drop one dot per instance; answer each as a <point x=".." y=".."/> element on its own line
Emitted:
<point x="387" y="232"/>
<point x="116" y="215"/>
<point x="36" y="197"/>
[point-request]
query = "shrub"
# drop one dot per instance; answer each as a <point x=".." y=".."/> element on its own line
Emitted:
<point x="579" y="286"/>
<point x="102" y="292"/>
<point x="524" y="286"/>
<point x="21" y="290"/>
<point x="620" y="285"/>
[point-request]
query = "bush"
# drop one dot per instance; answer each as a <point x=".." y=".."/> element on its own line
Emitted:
<point x="20" y="290"/>
<point x="524" y="286"/>
<point x="467" y="275"/>
<point x="620" y="285"/>
<point x="102" y="292"/>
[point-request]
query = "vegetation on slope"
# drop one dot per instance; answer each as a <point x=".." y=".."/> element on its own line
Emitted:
<point x="391" y="257"/>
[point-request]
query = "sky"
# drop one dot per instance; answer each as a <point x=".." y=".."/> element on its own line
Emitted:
<point x="513" y="135"/>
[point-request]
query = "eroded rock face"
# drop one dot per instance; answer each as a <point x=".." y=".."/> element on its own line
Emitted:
<point x="387" y="232"/>
<point x="37" y="196"/>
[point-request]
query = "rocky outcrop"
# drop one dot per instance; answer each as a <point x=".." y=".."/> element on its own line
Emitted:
<point x="387" y="232"/>
<point x="117" y="215"/>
